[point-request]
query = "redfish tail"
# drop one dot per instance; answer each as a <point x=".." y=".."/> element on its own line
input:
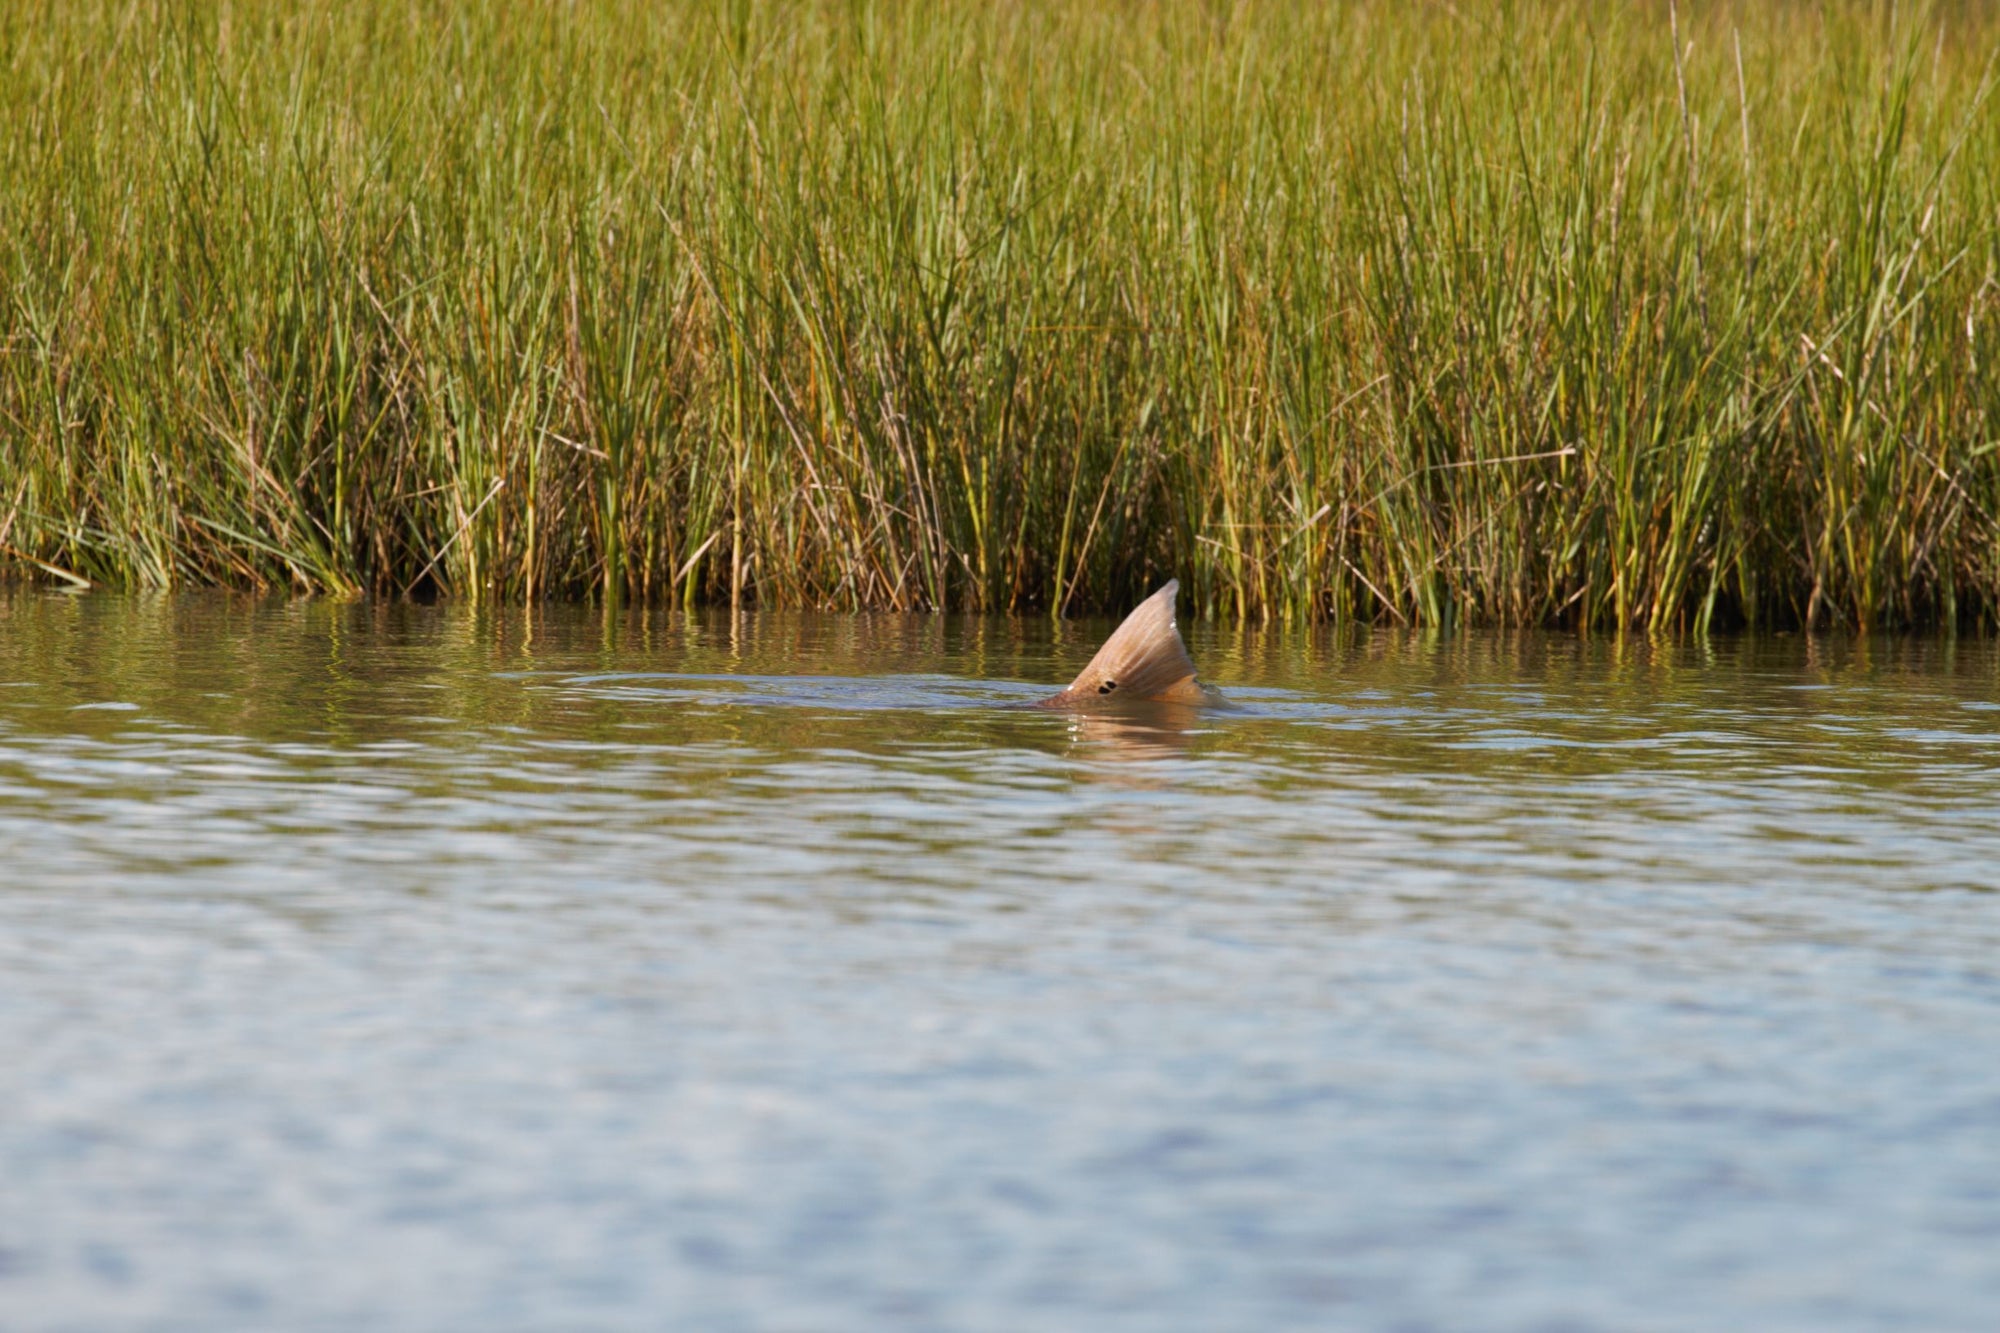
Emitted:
<point x="1143" y="660"/>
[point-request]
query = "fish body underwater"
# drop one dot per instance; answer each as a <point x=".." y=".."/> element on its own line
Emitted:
<point x="1144" y="661"/>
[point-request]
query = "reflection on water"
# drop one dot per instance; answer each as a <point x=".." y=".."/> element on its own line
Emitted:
<point x="1143" y="731"/>
<point x="405" y="967"/>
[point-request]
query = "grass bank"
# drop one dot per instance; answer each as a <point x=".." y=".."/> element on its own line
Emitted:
<point x="1567" y="314"/>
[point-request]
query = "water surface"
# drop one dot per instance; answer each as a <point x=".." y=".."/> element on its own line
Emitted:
<point x="414" y="967"/>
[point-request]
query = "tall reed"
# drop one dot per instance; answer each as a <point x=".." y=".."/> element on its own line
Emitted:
<point x="1493" y="312"/>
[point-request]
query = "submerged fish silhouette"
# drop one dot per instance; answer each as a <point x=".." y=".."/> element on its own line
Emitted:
<point x="1144" y="661"/>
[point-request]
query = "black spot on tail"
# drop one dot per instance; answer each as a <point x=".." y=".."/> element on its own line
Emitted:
<point x="1107" y="687"/>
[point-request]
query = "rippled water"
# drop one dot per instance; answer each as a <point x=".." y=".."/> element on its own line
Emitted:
<point x="395" y="967"/>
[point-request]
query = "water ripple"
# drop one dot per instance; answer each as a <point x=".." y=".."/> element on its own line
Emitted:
<point x="434" y="968"/>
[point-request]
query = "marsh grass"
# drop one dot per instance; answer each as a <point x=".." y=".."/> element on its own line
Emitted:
<point x="1429" y="314"/>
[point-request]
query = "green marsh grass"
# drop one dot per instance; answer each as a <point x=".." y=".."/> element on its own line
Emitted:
<point x="1588" y="315"/>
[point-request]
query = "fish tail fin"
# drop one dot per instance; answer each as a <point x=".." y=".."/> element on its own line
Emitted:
<point x="1144" y="659"/>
